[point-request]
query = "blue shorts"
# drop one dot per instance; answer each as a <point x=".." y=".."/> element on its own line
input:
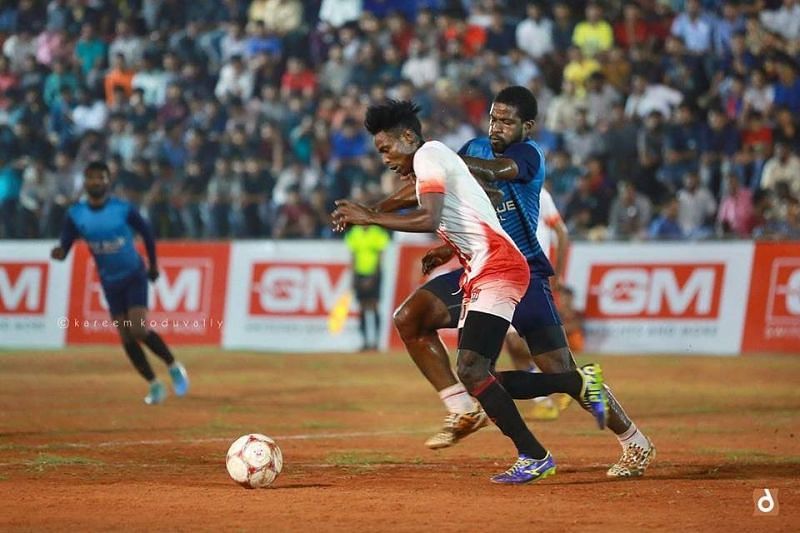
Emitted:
<point x="536" y="311"/>
<point x="127" y="294"/>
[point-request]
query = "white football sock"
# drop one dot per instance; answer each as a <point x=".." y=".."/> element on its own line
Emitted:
<point x="633" y="435"/>
<point x="456" y="399"/>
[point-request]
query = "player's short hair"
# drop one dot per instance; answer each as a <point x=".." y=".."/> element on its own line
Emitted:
<point x="392" y="115"/>
<point x="522" y="99"/>
<point x="96" y="165"/>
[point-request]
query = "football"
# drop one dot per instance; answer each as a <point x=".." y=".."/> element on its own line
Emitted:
<point x="254" y="461"/>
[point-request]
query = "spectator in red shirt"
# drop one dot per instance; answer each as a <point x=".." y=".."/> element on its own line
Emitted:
<point x="298" y="78"/>
<point x="8" y="81"/>
<point x="295" y="219"/>
<point x="631" y="30"/>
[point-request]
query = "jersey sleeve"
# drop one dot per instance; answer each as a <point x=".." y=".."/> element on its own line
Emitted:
<point x="527" y="159"/>
<point x="135" y="220"/>
<point x="68" y="233"/>
<point x="548" y="211"/>
<point x="465" y="149"/>
<point x="431" y="174"/>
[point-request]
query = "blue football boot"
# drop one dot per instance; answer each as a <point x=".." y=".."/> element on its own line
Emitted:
<point x="157" y="394"/>
<point x="180" y="379"/>
<point x="593" y="395"/>
<point x="527" y="469"/>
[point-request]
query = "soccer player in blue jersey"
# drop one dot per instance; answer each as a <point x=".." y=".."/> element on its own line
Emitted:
<point x="508" y="160"/>
<point x="107" y="224"/>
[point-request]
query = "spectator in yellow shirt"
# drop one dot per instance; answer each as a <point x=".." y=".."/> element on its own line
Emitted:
<point x="279" y="16"/>
<point x="579" y="69"/>
<point x="593" y="35"/>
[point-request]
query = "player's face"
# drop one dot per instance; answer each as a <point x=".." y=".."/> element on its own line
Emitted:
<point x="95" y="183"/>
<point x="397" y="150"/>
<point x="506" y="127"/>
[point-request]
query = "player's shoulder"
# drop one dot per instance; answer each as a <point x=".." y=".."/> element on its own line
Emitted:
<point x="527" y="146"/>
<point x="433" y="150"/>
<point x="77" y="207"/>
<point x="477" y="145"/>
<point x="117" y="203"/>
<point x="434" y="145"/>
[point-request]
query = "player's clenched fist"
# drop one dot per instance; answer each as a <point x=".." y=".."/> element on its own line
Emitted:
<point x="348" y="212"/>
<point x="436" y="257"/>
<point x="58" y="253"/>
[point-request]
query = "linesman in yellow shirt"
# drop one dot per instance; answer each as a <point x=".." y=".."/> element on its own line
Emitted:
<point x="367" y="244"/>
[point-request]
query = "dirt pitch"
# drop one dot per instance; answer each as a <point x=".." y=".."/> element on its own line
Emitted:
<point x="79" y="451"/>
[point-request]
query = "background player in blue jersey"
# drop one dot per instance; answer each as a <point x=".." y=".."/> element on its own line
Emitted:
<point x="515" y="165"/>
<point x="107" y="224"/>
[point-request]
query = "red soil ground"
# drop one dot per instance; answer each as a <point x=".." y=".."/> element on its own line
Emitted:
<point x="80" y="451"/>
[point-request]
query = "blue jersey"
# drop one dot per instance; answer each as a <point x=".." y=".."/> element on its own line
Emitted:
<point x="519" y="210"/>
<point x="109" y="232"/>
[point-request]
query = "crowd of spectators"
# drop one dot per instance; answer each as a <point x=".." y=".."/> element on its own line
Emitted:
<point x="661" y="119"/>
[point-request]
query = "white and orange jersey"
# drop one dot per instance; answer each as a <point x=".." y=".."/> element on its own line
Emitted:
<point x="469" y="222"/>
<point x="549" y="217"/>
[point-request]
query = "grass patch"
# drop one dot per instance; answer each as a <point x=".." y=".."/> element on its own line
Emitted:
<point x="231" y="408"/>
<point x="3" y="478"/>
<point x="213" y="428"/>
<point x="335" y="406"/>
<point x="360" y="459"/>
<point x="45" y="460"/>
<point x="320" y="424"/>
<point x="746" y="456"/>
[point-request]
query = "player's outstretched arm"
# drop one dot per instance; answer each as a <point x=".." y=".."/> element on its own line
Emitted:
<point x="403" y="198"/>
<point x="68" y="235"/>
<point x="423" y="220"/>
<point x="500" y="169"/>
<point x="141" y="226"/>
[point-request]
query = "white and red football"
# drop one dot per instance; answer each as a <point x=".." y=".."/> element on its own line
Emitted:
<point x="254" y="461"/>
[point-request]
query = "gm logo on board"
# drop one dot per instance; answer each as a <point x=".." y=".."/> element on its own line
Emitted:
<point x="23" y="288"/>
<point x="783" y="304"/>
<point x="647" y="291"/>
<point x="297" y="289"/>
<point x="183" y="291"/>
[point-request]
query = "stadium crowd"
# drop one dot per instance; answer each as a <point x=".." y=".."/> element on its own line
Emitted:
<point x="661" y="119"/>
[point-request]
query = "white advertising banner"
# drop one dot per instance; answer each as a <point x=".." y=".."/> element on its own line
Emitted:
<point x="283" y="296"/>
<point x="686" y="298"/>
<point x="34" y="293"/>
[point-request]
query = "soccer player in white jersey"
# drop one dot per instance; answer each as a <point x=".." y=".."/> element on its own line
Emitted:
<point x="496" y="276"/>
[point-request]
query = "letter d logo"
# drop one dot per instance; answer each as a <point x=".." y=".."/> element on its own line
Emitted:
<point x="766" y="502"/>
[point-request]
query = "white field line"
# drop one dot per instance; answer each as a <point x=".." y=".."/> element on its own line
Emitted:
<point x="158" y="442"/>
<point x="277" y="438"/>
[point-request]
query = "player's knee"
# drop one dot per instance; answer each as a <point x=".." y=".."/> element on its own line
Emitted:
<point x="407" y="322"/>
<point x="138" y="332"/>
<point x="472" y="369"/>
<point x="555" y="361"/>
<point x="125" y="334"/>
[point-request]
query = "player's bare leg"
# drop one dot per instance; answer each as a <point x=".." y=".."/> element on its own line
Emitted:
<point x="545" y="408"/>
<point x="479" y="345"/>
<point x="417" y="321"/>
<point x="150" y="338"/>
<point x="130" y="342"/>
<point x="638" y="450"/>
